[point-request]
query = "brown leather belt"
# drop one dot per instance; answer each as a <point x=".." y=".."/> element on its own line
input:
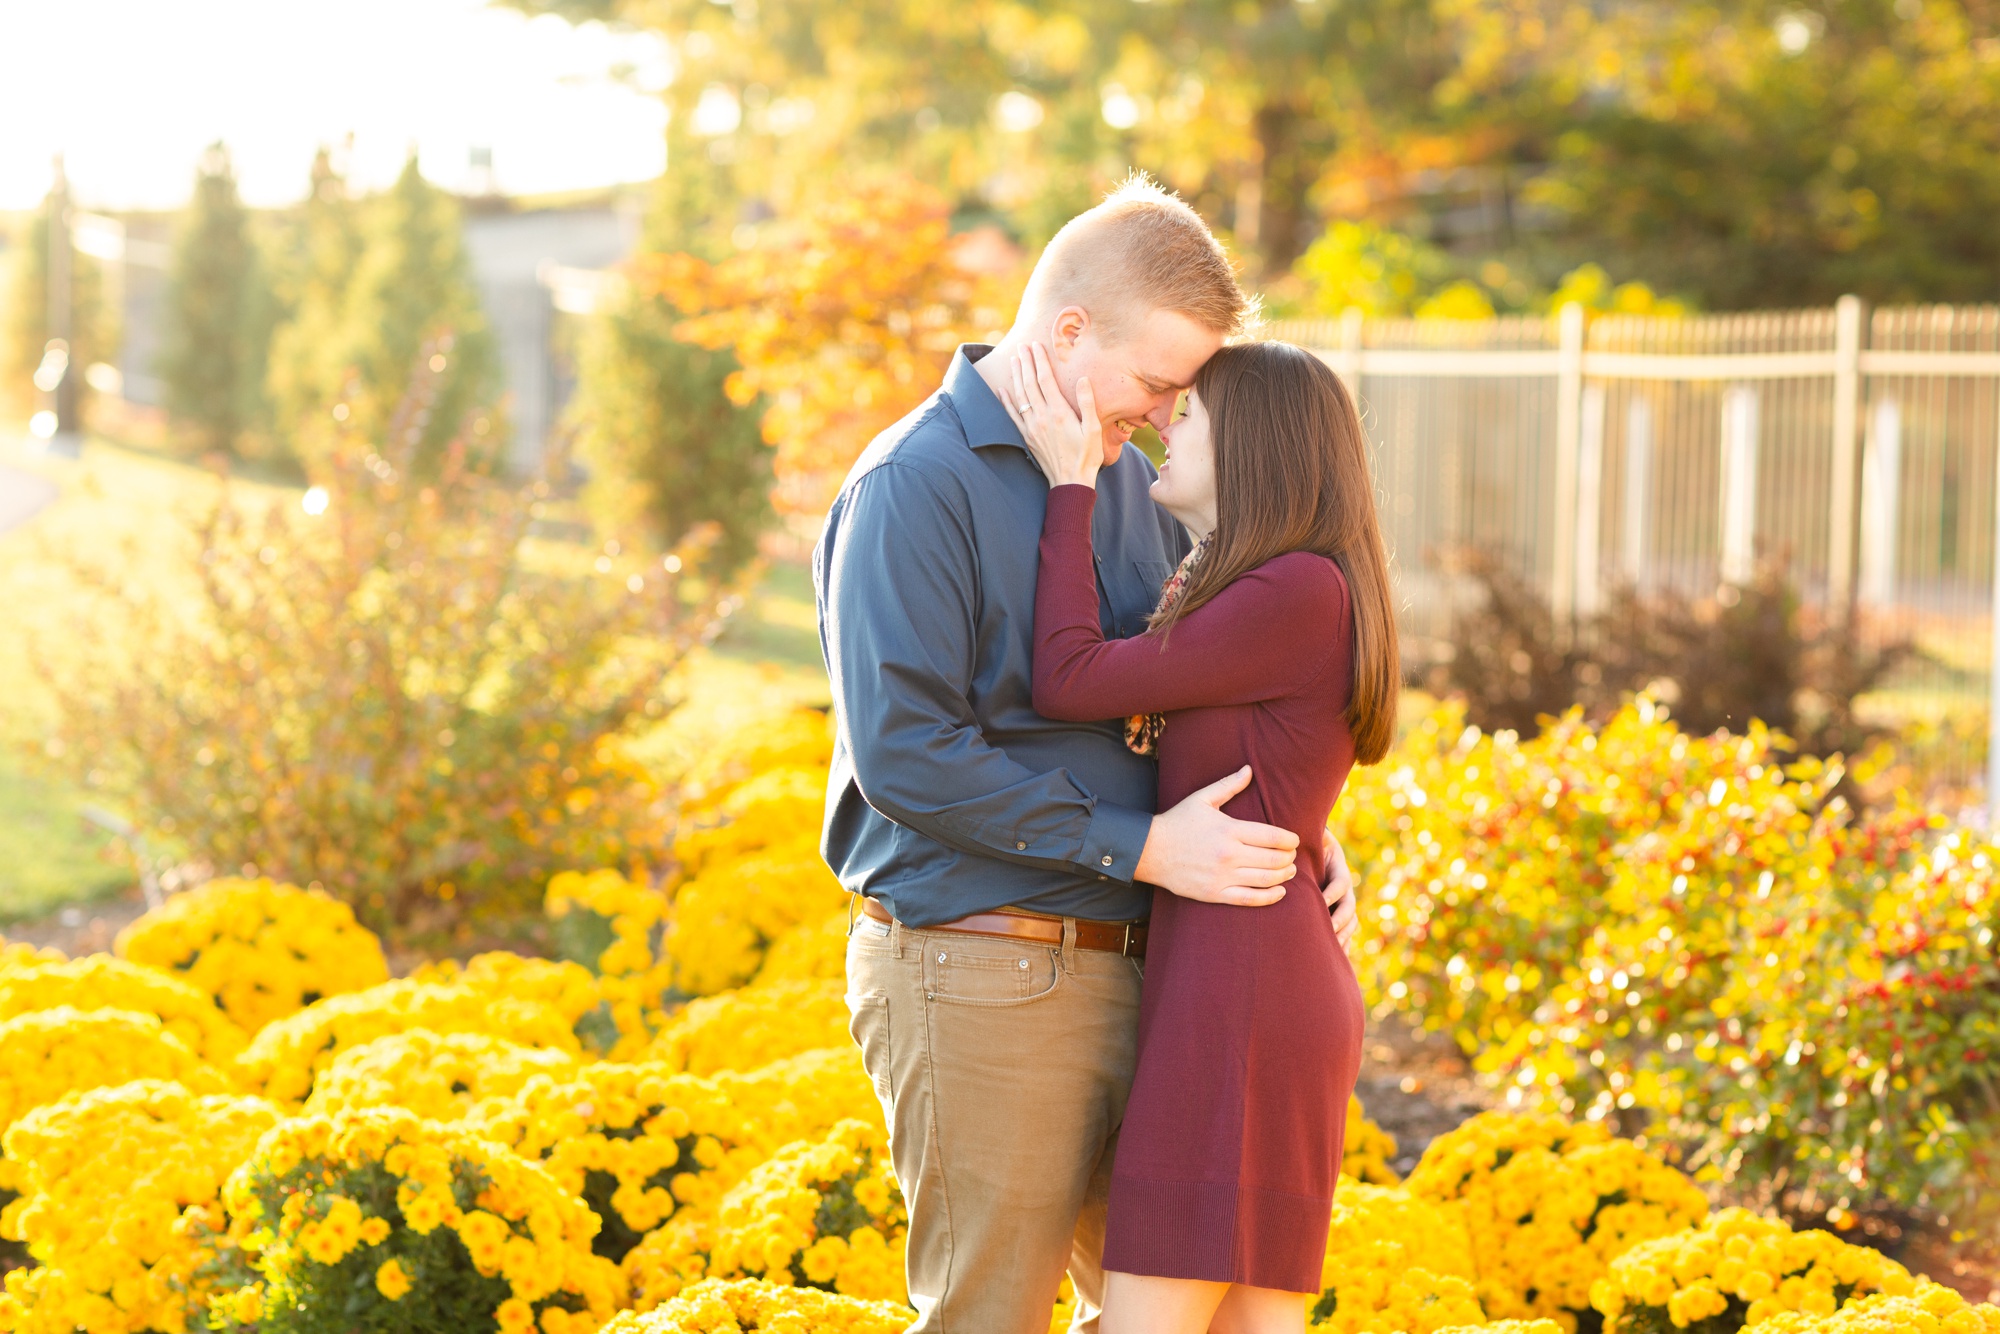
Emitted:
<point x="1126" y="938"/>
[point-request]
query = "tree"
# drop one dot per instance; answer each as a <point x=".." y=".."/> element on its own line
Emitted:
<point x="667" y="449"/>
<point x="843" y="317"/>
<point x="413" y="284"/>
<point x="218" y="318"/>
<point x="1764" y="154"/>
<point x="93" y="325"/>
<point x="322" y="248"/>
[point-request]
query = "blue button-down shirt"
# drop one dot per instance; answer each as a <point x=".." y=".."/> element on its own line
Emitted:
<point x="949" y="794"/>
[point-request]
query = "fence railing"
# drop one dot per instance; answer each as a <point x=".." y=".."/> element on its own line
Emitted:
<point x="1862" y="447"/>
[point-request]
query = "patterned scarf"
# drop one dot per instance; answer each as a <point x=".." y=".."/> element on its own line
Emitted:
<point x="1142" y="730"/>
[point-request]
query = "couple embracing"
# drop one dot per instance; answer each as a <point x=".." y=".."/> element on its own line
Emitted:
<point x="1092" y="719"/>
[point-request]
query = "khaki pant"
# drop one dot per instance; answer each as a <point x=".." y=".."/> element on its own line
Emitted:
<point x="1003" y="1069"/>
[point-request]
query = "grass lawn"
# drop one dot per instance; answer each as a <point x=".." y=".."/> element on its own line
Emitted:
<point x="121" y="508"/>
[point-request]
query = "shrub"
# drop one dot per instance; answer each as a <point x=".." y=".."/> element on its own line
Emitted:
<point x="348" y="1216"/>
<point x="409" y="698"/>
<point x="1744" y="653"/>
<point x="263" y="950"/>
<point x="288" y="1056"/>
<point x="741" y="1307"/>
<point x="613" y="925"/>
<point x="1735" y="1270"/>
<point x="635" y="1142"/>
<point x="106" y="1177"/>
<point x="1395" y="1263"/>
<point x="1549" y="1205"/>
<point x="98" y="981"/>
<point x="438" y="1076"/>
<point x="1930" y="1309"/>
<point x="822" y="1213"/>
<point x="753" y="1026"/>
<point x="1368" y="1150"/>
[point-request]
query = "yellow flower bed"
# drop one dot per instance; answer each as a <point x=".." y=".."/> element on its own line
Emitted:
<point x="48" y="1054"/>
<point x="740" y="1307"/>
<point x="631" y="975"/>
<point x="287" y="1056"/>
<point x="262" y="950"/>
<point x="823" y="1213"/>
<point x="1930" y="1309"/>
<point x="1549" y="1205"/>
<point x="1395" y="1264"/>
<point x="635" y="1142"/>
<point x="567" y="988"/>
<point x="812" y="951"/>
<point x="349" y="1215"/>
<point x="20" y="952"/>
<point x="1369" y="1149"/>
<point x="106" y="1177"/>
<point x="439" y="1076"/>
<point x="1738" y="1269"/>
<point x="752" y="1026"/>
<point x="726" y="917"/>
<point x="101" y="982"/>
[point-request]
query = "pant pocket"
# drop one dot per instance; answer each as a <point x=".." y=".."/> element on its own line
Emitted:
<point x="868" y="1025"/>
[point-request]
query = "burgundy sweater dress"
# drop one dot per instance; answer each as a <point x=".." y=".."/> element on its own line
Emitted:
<point x="1250" y="1023"/>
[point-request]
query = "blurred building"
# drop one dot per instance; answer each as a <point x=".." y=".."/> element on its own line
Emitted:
<point x="533" y="265"/>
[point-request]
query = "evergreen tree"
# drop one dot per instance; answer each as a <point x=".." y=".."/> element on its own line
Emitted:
<point x="413" y="283"/>
<point x="93" y="329"/>
<point x="321" y="249"/>
<point x="218" y="317"/>
<point x="666" y="448"/>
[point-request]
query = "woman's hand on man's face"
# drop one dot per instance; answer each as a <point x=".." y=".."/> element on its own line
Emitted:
<point x="1066" y="443"/>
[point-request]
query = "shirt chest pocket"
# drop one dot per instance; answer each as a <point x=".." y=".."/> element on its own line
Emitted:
<point x="1134" y="592"/>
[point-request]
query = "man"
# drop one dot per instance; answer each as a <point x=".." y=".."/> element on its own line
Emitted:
<point x="1003" y="862"/>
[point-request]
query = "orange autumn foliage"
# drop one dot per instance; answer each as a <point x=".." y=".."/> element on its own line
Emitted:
<point x="842" y="316"/>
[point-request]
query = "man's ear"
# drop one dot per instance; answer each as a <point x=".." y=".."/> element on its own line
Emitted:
<point x="1068" y="328"/>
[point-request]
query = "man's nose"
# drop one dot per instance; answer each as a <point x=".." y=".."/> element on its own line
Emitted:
<point x="1161" y="415"/>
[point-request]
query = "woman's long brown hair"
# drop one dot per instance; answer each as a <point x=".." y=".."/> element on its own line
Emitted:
<point x="1291" y="474"/>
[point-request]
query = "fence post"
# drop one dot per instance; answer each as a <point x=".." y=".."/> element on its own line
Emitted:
<point x="1847" y="321"/>
<point x="1569" y="446"/>
<point x="1348" y="364"/>
<point x="1993" y="672"/>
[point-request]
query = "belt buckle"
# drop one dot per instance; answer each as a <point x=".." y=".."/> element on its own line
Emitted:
<point x="1125" y="949"/>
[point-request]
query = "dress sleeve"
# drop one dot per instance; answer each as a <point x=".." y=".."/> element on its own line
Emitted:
<point x="1267" y="635"/>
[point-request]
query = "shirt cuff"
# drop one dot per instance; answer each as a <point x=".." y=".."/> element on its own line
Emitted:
<point x="1116" y="837"/>
<point x="1070" y="507"/>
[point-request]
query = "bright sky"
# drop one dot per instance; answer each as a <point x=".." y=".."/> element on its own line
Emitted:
<point x="131" y="91"/>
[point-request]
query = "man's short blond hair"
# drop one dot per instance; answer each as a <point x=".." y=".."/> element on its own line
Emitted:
<point x="1141" y="250"/>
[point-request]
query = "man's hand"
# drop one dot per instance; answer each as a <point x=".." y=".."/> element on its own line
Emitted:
<point x="1199" y="853"/>
<point x="1339" y="895"/>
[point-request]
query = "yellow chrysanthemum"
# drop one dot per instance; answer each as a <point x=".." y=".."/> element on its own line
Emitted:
<point x="752" y="1026"/>
<point x="1395" y="1263"/>
<point x="740" y="1307"/>
<point x="1742" y="1268"/>
<point x="262" y="950"/>
<point x="289" y="1055"/>
<point x="435" y="1075"/>
<point x="114" y="1182"/>
<point x="101" y="982"/>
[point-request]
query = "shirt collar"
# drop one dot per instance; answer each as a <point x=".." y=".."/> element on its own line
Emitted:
<point x="979" y="410"/>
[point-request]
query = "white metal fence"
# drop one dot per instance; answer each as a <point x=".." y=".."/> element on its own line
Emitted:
<point x="1863" y="447"/>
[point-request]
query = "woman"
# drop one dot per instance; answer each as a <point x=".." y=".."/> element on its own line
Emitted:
<point x="1274" y="647"/>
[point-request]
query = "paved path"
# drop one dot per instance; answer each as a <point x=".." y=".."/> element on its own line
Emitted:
<point x="22" y="495"/>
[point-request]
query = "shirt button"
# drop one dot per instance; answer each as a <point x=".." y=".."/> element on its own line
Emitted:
<point x="1020" y="846"/>
<point x="1107" y="861"/>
